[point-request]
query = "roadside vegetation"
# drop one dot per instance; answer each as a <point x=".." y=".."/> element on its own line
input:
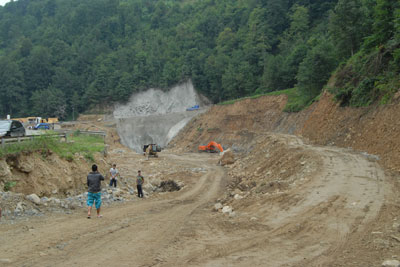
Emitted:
<point x="296" y="100"/>
<point x="373" y="71"/>
<point x="77" y="144"/>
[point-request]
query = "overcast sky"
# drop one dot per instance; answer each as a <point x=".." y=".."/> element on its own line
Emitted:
<point x="2" y="2"/>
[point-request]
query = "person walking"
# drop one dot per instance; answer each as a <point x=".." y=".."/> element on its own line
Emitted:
<point x="139" y="183"/>
<point x="94" y="179"/>
<point x="114" y="173"/>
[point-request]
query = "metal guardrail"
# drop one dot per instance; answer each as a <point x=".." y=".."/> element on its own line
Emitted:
<point x="63" y="134"/>
<point x="100" y="133"/>
<point x="8" y="140"/>
<point x="83" y="132"/>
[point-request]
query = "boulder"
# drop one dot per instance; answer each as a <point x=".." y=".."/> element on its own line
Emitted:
<point x="391" y="263"/>
<point x="19" y="208"/>
<point x="218" y="206"/>
<point x="34" y="198"/>
<point x="25" y="165"/>
<point x="227" y="209"/>
<point x="227" y="158"/>
<point x="55" y="200"/>
<point x="117" y="192"/>
<point x="5" y="171"/>
<point x="237" y="197"/>
<point x="396" y="227"/>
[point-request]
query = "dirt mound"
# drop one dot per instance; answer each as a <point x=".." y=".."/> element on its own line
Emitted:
<point x="272" y="168"/>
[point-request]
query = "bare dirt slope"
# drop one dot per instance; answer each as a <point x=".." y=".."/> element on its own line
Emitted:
<point x="323" y="217"/>
<point x="374" y="129"/>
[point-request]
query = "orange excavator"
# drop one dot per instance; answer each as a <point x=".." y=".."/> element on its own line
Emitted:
<point x="211" y="147"/>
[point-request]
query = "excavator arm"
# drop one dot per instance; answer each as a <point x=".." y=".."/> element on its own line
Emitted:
<point x="211" y="147"/>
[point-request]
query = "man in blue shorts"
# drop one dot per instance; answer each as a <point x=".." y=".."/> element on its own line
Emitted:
<point x="94" y="179"/>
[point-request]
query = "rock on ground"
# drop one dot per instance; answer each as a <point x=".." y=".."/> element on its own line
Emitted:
<point x="391" y="263"/>
<point x="227" y="209"/>
<point x="34" y="198"/>
<point x="218" y="206"/>
<point x="227" y="158"/>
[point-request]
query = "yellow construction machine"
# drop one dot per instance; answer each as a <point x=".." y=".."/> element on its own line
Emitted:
<point x="151" y="150"/>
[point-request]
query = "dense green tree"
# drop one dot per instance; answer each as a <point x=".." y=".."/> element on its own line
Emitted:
<point x="297" y="33"/>
<point x="384" y="23"/>
<point x="317" y="67"/>
<point x="38" y="70"/>
<point x="97" y="51"/>
<point x="349" y="24"/>
<point x="49" y="103"/>
<point x="12" y="94"/>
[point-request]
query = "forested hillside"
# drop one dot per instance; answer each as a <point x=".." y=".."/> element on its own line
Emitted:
<point x="62" y="55"/>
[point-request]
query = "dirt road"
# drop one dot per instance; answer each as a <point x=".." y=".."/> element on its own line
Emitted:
<point x="310" y="225"/>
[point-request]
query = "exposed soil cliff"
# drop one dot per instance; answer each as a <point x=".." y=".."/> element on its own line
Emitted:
<point x="375" y="129"/>
<point x="46" y="175"/>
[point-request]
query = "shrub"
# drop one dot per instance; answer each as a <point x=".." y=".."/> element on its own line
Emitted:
<point x="89" y="157"/>
<point x="8" y="185"/>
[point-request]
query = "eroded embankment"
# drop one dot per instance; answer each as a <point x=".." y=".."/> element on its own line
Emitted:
<point x="374" y="130"/>
<point x="46" y="174"/>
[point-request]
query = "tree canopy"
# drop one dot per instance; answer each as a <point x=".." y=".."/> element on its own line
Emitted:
<point x="63" y="56"/>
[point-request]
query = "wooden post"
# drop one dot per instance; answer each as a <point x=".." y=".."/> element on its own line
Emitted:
<point x="105" y="151"/>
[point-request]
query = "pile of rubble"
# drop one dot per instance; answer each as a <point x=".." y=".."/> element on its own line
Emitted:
<point x="269" y="168"/>
<point x="18" y="205"/>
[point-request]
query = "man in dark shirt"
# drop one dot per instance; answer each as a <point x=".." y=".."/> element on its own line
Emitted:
<point x="139" y="183"/>
<point x="94" y="179"/>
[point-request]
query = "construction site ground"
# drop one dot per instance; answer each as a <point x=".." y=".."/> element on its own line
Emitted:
<point x="290" y="202"/>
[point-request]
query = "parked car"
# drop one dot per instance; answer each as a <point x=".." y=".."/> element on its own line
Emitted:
<point x="42" y="126"/>
<point x="11" y="128"/>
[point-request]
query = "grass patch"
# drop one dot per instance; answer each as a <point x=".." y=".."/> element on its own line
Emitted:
<point x="296" y="100"/>
<point x="8" y="185"/>
<point x="233" y="101"/>
<point x="81" y="144"/>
